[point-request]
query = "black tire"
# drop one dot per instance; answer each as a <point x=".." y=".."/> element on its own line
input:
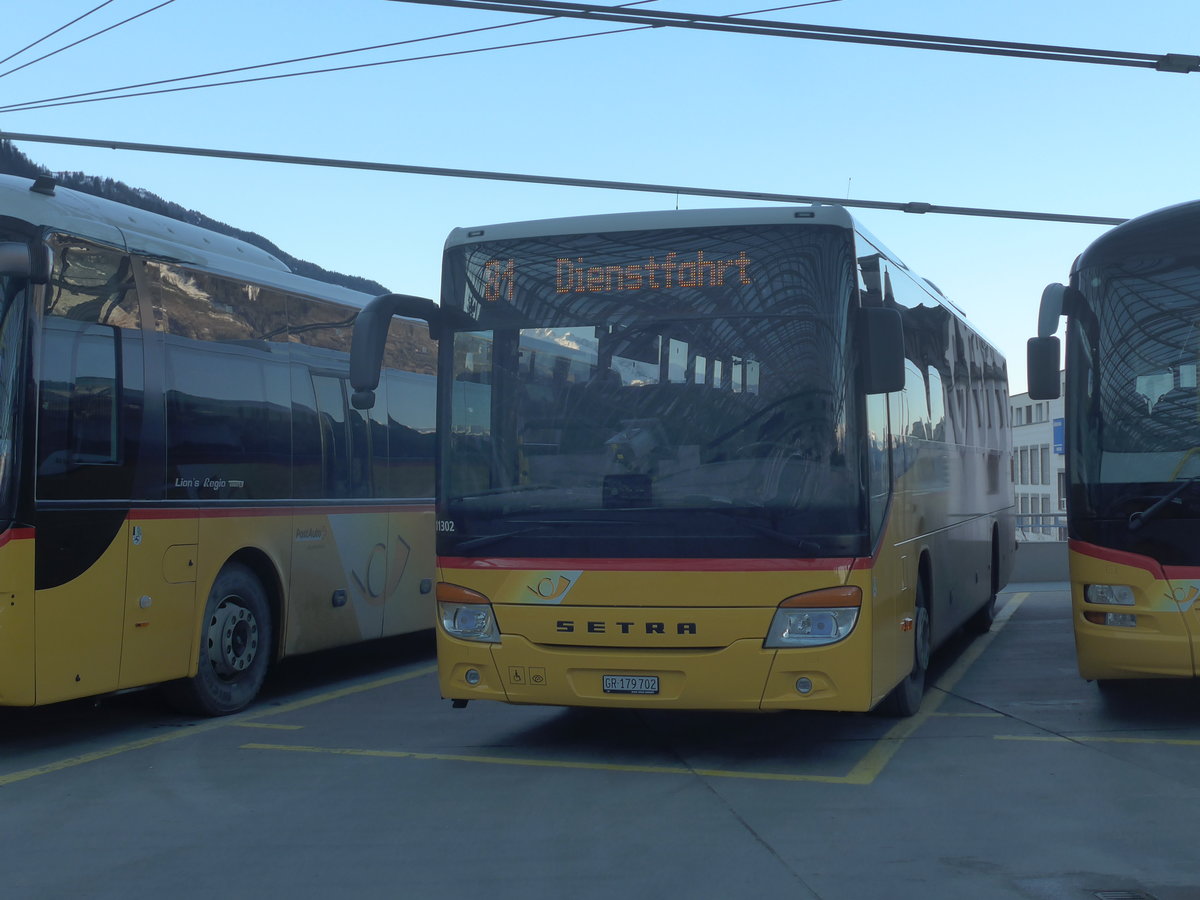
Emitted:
<point x="235" y="647"/>
<point x="981" y="621"/>
<point x="905" y="698"/>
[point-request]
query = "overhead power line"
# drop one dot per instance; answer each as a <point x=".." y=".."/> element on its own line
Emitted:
<point x="88" y="38"/>
<point x="94" y="96"/>
<point x="1169" y="62"/>
<point x="910" y="207"/>
<point x="55" y="31"/>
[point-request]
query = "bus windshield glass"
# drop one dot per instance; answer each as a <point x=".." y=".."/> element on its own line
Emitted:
<point x="1137" y="410"/>
<point x="655" y="394"/>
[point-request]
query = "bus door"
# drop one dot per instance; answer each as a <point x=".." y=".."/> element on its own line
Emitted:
<point x="887" y="595"/>
<point x="339" y="558"/>
<point x="160" y="597"/>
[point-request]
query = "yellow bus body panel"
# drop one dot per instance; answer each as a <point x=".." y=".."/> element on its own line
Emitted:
<point x="411" y="572"/>
<point x="160" y="599"/>
<point x="17" y="619"/>
<point x="1161" y="643"/>
<point x="700" y="632"/>
<point x="79" y="628"/>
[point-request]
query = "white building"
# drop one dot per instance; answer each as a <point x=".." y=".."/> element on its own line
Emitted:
<point x="1038" y="463"/>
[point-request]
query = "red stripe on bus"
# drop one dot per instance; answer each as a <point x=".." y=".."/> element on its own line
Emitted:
<point x="1119" y="557"/>
<point x="17" y="534"/>
<point x="245" y="512"/>
<point x="1182" y="573"/>
<point x="653" y="565"/>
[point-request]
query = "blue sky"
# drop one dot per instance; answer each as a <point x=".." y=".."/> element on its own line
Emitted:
<point x="665" y="106"/>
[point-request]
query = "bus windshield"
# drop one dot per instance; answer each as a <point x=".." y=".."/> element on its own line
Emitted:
<point x="1137" y="410"/>
<point x="656" y="394"/>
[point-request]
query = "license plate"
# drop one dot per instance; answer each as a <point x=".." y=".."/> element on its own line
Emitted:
<point x="631" y="684"/>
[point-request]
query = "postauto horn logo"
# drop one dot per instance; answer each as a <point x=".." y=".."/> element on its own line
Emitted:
<point x="549" y="587"/>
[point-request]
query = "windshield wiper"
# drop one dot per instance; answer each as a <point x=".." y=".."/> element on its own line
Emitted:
<point x="484" y="539"/>
<point x="1138" y="519"/>
<point x="792" y="541"/>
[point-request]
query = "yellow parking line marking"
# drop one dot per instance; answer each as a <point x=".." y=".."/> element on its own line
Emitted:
<point x="73" y="761"/>
<point x="210" y="725"/>
<point x="1098" y="739"/>
<point x="885" y="748"/>
<point x="549" y="763"/>
<point x="267" y="725"/>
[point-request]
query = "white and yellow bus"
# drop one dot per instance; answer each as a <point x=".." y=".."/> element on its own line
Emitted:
<point x="723" y="459"/>
<point x="186" y="493"/>
<point x="1132" y="442"/>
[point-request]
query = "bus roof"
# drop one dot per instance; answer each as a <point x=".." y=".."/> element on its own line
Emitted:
<point x="653" y="221"/>
<point x="150" y="234"/>
<point x="1145" y="234"/>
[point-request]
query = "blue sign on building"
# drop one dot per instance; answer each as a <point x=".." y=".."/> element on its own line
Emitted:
<point x="1058" y="436"/>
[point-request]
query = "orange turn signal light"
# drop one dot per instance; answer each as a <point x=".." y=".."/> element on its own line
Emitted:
<point x="827" y="598"/>
<point x="453" y="593"/>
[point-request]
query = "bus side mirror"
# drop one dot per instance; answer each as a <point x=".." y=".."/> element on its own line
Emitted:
<point x="1041" y="366"/>
<point x="882" y="350"/>
<point x="370" y="336"/>
<point x="18" y="261"/>
<point x="14" y="260"/>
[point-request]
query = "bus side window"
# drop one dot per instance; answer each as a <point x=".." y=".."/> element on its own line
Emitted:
<point x="410" y="405"/>
<point x="227" y="395"/>
<point x="879" y="469"/>
<point x="90" y="376"/>
<point x="335" y="435"/>
<point x="80" y="396"/>
<point x="307" y="437"/>
<point x="937" y="405"/>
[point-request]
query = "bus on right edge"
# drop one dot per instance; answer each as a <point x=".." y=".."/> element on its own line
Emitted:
<point x="1132" y="443"/>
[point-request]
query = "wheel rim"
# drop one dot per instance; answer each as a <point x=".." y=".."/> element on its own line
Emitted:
<point x="232" y="638"/>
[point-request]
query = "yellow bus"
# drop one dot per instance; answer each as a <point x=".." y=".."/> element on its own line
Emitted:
<point x="186" y="492"/>
<point x="737" y="459"/>
<point x="1132" y="435"/>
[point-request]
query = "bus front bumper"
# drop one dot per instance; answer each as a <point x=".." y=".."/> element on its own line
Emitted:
<point x="741" y="676"/>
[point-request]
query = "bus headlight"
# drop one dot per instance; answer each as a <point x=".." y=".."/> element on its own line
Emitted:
<point x="815" y="618"/>
<point x="466" y="614"/>
<point x="1109" y="594"/>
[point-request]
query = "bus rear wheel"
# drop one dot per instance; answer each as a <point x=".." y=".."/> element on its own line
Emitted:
<point x="981" y="621"/>
<point x="905" y="698"/>
<point x="235" y="642"/>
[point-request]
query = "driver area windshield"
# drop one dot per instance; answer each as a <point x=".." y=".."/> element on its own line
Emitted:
<point x="1135" y="351"/>
<point x="719" y="430"/>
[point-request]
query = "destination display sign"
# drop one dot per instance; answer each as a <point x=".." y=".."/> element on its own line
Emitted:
<point x="597" y="276"/>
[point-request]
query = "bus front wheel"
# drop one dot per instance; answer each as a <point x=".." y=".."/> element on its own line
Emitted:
<point x="235" y="642"/>
<point x="905" y="698"/>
